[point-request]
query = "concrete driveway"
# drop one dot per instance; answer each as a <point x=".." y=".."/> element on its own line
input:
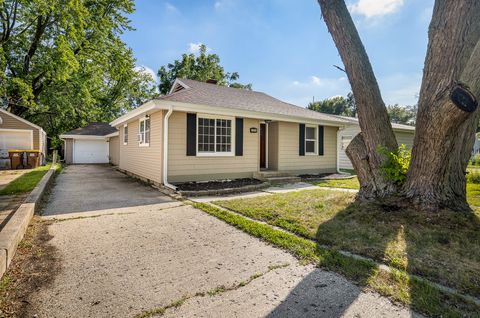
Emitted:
<point x="126" y="250"/>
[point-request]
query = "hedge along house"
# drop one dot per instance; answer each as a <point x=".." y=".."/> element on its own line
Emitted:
<point x="17" y="133"/>
<point x="403" y="133"/>
<point x="94" y="143"/>
<point x="202" y="131"/>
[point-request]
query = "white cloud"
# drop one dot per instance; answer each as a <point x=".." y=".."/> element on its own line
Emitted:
<point x="147" y="70"/>
<point x="223" y="4"/>
<point x="171" y="8"/>
<point x="195" y="47"/>
<point x="375" y="8"/>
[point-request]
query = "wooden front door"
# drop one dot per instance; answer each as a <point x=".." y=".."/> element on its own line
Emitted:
<point x="263" y="144"/>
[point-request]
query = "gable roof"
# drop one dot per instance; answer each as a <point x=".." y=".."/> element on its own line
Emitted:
<point x="20" y="119"/>
<point x="92" y="129"/>
<point x="195" y="92"/>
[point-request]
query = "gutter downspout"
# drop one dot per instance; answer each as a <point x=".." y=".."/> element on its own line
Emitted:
<point x="338" y="148"/>
<point x="165" y="150"/>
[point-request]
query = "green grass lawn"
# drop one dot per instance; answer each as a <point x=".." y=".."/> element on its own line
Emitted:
<point x="442" y="247"/>
<point x="26" y="182"/>
<point x="473" y="190"/>
<point x="341" y="183"/>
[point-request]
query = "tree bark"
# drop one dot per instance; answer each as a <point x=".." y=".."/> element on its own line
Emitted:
<point x="445" y="128"/>
<point x="444" y="133"/>
<point x="372" y="113"/>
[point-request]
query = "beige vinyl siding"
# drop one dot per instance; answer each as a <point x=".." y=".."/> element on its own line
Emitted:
<point x="68" y="151"/>
<point x="403" y="137"/>
<point x="10" y="122"/>
<point x="145" y="162"/>
<point x="183" y="168"/>
<point x="273" y="146"/>
<point x="114" y="150"/>
<point x="289" y="159"/>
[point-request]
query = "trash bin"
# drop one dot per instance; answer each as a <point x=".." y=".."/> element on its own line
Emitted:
<point x="33" y="159"/>
<point x="16" y="159"/>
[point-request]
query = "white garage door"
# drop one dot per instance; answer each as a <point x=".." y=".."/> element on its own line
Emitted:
<point x="16" y="139"/>
<point x="90" y="151"/>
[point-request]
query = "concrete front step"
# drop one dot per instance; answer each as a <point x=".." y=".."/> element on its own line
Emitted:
<point x="262" y="175"/>
<point x="282" y="180"/>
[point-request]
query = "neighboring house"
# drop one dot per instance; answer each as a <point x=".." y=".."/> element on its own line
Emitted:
<point x="94" y="143"/>
<point x="17" y="133"/>
<point x="403" y="133"/>
<point x="476" y="146"/>
<point x="202" y="131"/>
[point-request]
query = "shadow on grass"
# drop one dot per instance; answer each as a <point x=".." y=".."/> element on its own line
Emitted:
<point x="442" y="247"/>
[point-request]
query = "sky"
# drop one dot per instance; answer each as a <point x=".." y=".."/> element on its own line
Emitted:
<point x="282" y="47"/>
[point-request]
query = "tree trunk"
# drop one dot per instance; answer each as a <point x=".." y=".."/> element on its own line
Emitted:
<point x="445" y="126"/>
<point x="444" y="134"/>
<point x="372" y="113"/>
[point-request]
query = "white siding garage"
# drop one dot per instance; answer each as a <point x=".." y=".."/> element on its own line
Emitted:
<point x="403" y="133"/>
<point x="90" y="151"/>
<point x="89" y="144"/>
<point x="16" y="139"/>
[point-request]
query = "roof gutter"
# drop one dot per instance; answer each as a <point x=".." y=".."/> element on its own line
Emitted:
<point x="165" y="150"/>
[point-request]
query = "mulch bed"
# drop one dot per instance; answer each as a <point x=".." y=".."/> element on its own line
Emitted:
<point x="326" y="176"/>
<point x="217" y="185"/>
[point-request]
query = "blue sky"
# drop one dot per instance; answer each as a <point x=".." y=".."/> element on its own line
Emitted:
<point x="282" y="47"/>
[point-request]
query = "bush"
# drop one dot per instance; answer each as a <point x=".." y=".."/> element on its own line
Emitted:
<point x="475" y="160"/>
<point x="473" y="177"/>
<point x="395" y="167"/>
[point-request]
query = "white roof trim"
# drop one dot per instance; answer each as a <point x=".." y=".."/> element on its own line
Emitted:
<point x="21" y="119"/>
<point x="92" y="137"/>
<point x="158" y="104"/>
<point x="114" y="134"/>
<point x="175" y="84"/>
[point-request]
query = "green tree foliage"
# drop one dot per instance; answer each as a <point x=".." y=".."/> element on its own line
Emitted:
<point x="202" y="68"/>
<point x="338" y="105"/>
<point x="63" y="63"/>
<point x="402" y="114"/>
<point x="396" y="166"/>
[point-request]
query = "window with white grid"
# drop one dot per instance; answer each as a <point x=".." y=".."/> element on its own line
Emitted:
<point x="214" y="136"/>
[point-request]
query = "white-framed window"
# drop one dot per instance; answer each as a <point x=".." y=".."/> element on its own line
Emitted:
<point x="144" y="132"/>
<point x="310" y="140"/>
<point x="215" y="135"/>
<point x="346" y="141"/>
<point x="125" y="134"/>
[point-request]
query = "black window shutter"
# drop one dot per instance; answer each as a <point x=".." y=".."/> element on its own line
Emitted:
<point x="191" y="134"/>
<point x="238" y="136"/>
<point x="301" y="140"/>
<point x="320" y="141"/>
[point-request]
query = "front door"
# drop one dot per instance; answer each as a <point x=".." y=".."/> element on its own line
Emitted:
<point x="263" y="144"/>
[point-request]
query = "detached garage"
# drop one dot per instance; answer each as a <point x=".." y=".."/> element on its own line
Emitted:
<point x="17" y="133"/>
<point x="94" y="143"/>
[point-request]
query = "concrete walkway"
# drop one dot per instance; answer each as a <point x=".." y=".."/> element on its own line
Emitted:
<point x="129" y="253"/>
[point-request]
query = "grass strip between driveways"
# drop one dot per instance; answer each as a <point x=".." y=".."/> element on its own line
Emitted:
<point x="28" y="181"/>
<point x="396" y="284"/>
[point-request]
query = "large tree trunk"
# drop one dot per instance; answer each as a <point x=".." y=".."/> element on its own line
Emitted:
<point x="372" y="113"/>
<point x="444" y="133"/>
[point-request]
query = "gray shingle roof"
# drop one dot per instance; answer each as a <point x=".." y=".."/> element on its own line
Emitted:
<point x="221" y="96"/>
<point x="354" y="120"/>
<point x="93" y="129"/>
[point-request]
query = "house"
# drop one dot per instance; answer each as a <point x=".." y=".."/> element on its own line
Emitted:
<point x="94" y="143"/>
<point x="202" y="131"/>
<point x="403" y="133"/>
<point x="17" y="133"/>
